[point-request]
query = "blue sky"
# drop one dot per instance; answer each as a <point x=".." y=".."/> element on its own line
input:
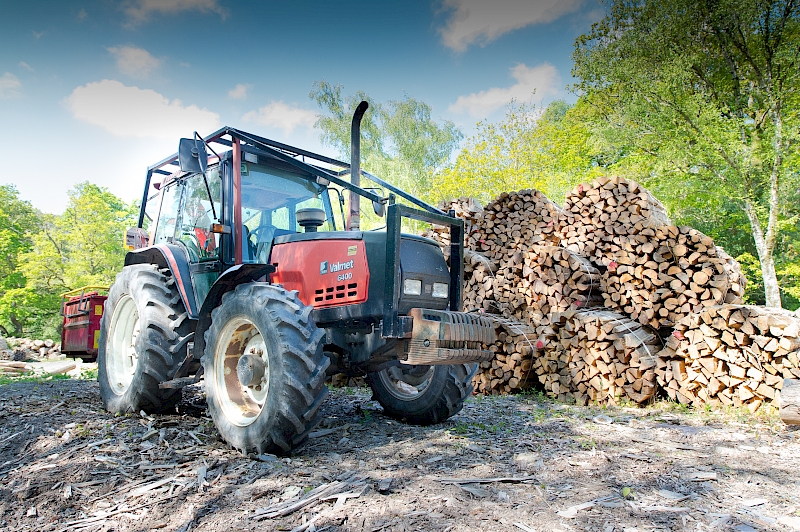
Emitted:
<point x="99" y="89"/>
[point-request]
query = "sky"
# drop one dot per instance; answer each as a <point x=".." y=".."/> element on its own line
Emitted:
<point x="97" y="90"/>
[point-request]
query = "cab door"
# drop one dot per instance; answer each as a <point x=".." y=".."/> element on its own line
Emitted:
<point x="195" y="232"/>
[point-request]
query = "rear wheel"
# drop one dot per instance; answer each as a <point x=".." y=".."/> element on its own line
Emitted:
<point x="422" y="395"/>
<point x="143" y="337"/>
<point x="264" y="369"/>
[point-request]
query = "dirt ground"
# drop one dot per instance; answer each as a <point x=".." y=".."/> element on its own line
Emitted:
<point x="66" y="464"/>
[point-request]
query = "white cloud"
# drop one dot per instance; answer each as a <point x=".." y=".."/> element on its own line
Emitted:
<point x="133" y="61"/>
<point x="26" y="66"/>
<point x="542" y="79"/>
<point x="479" y="20"/>
<point x="239" y="92"/>
<point x="134" y="112"/>
<point x="9" y="83"/>
<point x="285" y="117"/>
<point x="38" y="34"/>
<point x="139" y="11"/>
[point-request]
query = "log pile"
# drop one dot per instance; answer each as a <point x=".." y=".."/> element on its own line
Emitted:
<point x="539" y="280"/>
<point x="20" y="349"/>
<point x="730" y="355"/>
<point x="594" y="355"/>
<point x="660" y="275"/>
<point x="596" y="215"/>
<point x="510" y="369"/>
<point x="469" y="210"/>
<point x="513" y="222"/>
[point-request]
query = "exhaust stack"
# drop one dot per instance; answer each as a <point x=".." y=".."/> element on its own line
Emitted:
<point x="354" y="216"/>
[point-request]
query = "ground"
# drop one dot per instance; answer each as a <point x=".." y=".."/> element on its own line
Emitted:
<point x="66" y="464"/>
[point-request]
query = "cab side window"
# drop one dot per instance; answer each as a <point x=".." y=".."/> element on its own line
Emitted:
<point x="197" y="217"/>
<point x="168" y="214"/>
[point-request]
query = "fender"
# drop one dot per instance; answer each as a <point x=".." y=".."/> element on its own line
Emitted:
<point x="175" y="258"/>
<point x="239" y="274"/>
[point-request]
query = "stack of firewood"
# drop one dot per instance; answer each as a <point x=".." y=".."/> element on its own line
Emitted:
<point x="596" y="215"/>
<point x="598" y="356"/>
<point x="514" y="221"/>
<point x="510" y="369"/>
<point x="660" y="275"/>
<point x="730" y="355"/>
<point x="540" y="280"/>
<point x="469" y="210"/>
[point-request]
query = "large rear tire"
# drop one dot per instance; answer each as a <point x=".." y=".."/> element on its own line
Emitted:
<point x="143" y="337"/>
<point x="422" y="395"/>
<point x="264" y="369"/>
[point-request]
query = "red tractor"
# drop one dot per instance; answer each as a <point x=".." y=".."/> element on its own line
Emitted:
<point x="254" y="278"/>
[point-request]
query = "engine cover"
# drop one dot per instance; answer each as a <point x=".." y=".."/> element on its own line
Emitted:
<point x="325" y="272"/>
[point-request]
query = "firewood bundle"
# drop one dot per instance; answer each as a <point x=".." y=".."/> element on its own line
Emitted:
<point x="539" y="280"/>
<point x="510" y="369"/>
<point x="660" y="275"/>
<point x="595" y="215"/>
<point x="469" y="210"/>
<point x="730" y="355"/>
<point x="515" y="221"/>
<point x="479" y="283"/>
<point x="597" y="356"/>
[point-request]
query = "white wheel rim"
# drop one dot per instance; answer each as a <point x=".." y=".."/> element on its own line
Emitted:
<point x="240" y="404"/>
<point x="121" y="356"/>
<point x="405" y="385"/>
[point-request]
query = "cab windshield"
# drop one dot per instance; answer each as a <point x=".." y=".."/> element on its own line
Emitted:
<point x="271" y="198"/>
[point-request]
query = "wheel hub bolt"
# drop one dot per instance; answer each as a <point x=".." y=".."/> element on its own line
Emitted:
<point x="250" y="370"/>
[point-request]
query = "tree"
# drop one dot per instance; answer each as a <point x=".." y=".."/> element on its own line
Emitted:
<point x="18" y="221"/>
<point x="401" y="143"/>
<point x="708" y="92"/>
<point x="83" y="246"/>
<point x="550" y="150"/>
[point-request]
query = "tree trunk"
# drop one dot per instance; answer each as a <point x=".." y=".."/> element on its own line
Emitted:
<point x="765" y="248"/>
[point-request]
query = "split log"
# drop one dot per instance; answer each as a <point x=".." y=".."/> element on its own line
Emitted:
<point x="735" y="355"/>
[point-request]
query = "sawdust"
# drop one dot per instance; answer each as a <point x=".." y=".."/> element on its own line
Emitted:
<point x="503" y="463"/>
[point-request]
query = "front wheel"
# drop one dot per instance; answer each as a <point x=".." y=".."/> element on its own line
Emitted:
<point x="143" y="337"/>
<point x="264" y="369"/>
<point x="422" y="395"/>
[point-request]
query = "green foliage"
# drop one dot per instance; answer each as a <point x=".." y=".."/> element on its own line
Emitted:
<point x="83" y="246"/>
<point x="18" y="222"/>
<point x="551" y="151"/>
<point x="401" y="143"/>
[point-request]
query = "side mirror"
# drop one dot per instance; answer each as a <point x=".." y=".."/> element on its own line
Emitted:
<point x="192" y="156"/>
<point x="379" y="208"/>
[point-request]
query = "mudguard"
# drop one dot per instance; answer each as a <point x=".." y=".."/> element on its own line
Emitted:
<point x="242" y="273"/>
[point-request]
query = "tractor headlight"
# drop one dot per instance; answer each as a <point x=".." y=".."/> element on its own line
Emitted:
<point x="440" y="290"/>
<point x="412" y="287"/>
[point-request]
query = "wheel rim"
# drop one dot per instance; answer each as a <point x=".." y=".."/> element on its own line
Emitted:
<point x="121" y="356"/>
<point x="407" y="383"/>
<point x="240" y="404"/>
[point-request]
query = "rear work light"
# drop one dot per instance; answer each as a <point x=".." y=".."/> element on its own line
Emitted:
<point x="440" y="290"/>
<point x="412" y="287"/>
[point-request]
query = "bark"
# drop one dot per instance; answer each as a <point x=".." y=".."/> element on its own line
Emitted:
<point x="765" y="248"/>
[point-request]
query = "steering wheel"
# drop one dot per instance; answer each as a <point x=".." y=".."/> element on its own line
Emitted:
<point x="260" y="240"/>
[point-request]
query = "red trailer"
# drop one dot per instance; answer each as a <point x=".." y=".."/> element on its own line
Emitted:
<point x="82" y="309"/>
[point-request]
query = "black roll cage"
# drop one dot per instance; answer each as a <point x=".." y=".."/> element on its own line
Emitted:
<point x="394" y="326"/>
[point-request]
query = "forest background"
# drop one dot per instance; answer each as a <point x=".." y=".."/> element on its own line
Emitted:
<point x="698" y="101"/>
